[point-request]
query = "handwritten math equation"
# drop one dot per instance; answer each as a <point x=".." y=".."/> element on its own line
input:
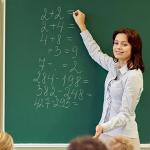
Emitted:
<point x="55" y="89"/>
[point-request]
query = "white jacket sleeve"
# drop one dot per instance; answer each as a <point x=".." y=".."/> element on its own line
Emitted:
<point x="94" y="51"/>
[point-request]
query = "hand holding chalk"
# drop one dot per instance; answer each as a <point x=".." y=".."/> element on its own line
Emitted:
<point x="76" y="13"/>
<point x="79" y="18"/>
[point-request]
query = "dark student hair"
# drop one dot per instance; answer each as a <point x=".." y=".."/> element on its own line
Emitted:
<point x="135" y="62"/>
<point x="86" y="143"/>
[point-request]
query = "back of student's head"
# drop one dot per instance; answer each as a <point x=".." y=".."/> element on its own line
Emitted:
<point x="6" y="141"/>
<point x="118" y="142"/>
<point x="86" y="143"/>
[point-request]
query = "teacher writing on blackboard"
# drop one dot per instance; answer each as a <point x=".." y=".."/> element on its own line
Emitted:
<point x="123" y="84"/>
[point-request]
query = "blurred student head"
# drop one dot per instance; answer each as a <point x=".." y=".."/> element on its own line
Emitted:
<point x="6" y="141"/>
<point x="118" y="142"/>
<point x="86" y="143"/>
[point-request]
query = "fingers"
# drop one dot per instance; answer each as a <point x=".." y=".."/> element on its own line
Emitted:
<point x="99" y="130"/>
<point x="95" y="137"/>
<point x="77" y="13"/>
<point x="74" y="14"/>
<point x="97" y="134"/>
<point x="79" y="18"/>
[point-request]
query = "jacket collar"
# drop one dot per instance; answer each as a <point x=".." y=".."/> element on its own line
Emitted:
<point x="124" y="69"/>
<point x="117" y="68"/>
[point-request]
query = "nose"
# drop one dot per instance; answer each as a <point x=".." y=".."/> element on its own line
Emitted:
<point x="119" y="46"/>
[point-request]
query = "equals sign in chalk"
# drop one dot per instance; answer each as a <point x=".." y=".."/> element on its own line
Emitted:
<point x="59" y="91"/>
<point x="71" y="26"/>
<point x="67" y="50"/>
<point x="75" y="103"/>
<point x="70" y="12"/>
<point x="69" y="38"/>
<point x="64" y="65"/>
<point x="85" y="81"/>
<point x="89" y="95"/>
<point x="49" y="63"/>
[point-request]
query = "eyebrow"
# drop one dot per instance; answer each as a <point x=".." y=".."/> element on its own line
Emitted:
<point x="121" y="41"/>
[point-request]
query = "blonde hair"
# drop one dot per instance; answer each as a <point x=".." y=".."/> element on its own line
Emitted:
<point x="6" y="141"/>
<point x="118" y="142"/>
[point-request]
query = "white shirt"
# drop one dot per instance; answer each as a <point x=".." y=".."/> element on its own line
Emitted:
<point x="125" y="92"/>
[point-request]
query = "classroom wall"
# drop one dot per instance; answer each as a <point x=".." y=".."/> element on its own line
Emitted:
<point x="1" y="87"/>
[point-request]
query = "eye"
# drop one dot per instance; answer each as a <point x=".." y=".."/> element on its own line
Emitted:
<point x="124" y="44"/>
<point x="115" y="43"/>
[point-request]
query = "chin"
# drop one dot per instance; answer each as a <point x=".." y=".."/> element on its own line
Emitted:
<point x="117" y="57"/>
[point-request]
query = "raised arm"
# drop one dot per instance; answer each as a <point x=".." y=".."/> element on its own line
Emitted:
<point x="93" y="48"/>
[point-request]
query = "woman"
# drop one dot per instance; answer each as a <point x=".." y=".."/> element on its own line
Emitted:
<point x="123" y="84"/>
<point x="6" y="141"/>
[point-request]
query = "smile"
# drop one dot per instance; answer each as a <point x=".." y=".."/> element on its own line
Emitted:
<point x="118" y="52"/>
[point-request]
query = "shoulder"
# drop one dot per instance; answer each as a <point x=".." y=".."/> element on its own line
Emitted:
<point x="134" y="73"/>
<point x="134" y="76"/>
<point x="134" y="80"/>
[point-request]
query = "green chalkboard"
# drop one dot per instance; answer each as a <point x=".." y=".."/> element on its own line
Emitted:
<point x="53" y="89"/>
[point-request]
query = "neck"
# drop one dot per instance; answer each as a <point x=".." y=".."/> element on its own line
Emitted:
<point x="122" y="63"/>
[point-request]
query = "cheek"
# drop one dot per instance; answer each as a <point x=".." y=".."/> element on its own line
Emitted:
<point x="113" y="48"/>
<point x="128" y="51"/>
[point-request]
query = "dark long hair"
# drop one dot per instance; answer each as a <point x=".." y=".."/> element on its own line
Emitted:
<point x="135" y="62"/>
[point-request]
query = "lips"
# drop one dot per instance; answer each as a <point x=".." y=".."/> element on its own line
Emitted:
<point x="119" y="52"/>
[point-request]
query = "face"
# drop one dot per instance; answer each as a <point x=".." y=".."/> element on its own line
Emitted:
<point x="121" y="48"/>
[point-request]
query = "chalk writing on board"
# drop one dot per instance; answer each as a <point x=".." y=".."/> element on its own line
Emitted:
<point x="62" y="90"/>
